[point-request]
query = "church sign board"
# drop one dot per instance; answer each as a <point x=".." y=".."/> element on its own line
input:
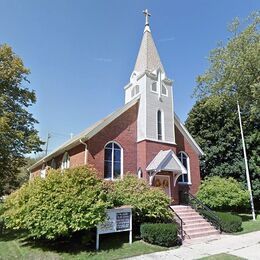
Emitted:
<point x="117" y="220"/>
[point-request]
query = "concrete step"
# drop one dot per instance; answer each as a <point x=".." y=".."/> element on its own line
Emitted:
<point x="202" y="234"/>
<point x="188" y="214"/>
<point x="197" y="225"/>
<point x="193" y="230"/>
<point x="195" y="217"/>
<point x="195" y="221"/>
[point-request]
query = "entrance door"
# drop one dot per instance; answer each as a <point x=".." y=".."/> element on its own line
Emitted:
<point x="163" y="181"/>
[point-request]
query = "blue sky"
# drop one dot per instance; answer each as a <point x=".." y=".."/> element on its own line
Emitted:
<point x="82" y="53"/>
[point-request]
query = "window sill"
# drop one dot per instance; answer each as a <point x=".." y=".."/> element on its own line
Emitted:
<point x="185" y="183"/>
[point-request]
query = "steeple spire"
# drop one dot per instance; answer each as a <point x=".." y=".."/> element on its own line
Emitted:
<point x="148" y="57"/>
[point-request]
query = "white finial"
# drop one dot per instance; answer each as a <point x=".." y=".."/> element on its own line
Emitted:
<point x="147" y="14"/>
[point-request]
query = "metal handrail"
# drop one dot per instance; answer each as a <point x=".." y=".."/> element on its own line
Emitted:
<point x="181" y="223"/>
<point x="211" y="216"/>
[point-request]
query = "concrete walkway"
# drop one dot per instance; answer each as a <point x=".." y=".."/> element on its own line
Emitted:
<point x="246" y="246"/>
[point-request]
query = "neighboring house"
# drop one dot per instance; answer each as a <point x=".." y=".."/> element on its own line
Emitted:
<point x="144" y="137"/>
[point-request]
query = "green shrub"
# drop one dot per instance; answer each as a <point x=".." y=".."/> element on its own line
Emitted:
<point x="62" y="203"/>
<point x="223" y="194"/>
<point x="229" y="223"/>
<point x="150" y="204"/>
<point x="161" y="234"/>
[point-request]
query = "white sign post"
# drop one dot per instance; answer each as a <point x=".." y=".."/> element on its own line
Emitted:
<point x="117" y="220"/>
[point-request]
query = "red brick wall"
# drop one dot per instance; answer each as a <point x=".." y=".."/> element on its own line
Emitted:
<point x="123" y="130"/>
<point x="183" y="145"/>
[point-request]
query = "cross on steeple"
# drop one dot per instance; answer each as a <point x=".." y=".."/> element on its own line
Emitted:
<point x="147" y="14"/>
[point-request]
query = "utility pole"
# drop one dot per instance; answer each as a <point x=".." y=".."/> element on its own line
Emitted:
<point x="47" y="143"/>
<point x="246" y="164"/>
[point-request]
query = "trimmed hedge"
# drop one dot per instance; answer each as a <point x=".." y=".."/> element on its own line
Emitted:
<point x="229" y="223"/>
<point x="161" y="234"/>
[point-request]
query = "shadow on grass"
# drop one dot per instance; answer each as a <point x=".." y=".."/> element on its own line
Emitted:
<point x="75" y="244"/>
<point x="9" y="235"/>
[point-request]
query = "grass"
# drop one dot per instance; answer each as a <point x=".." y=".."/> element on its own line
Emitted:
<point x="222" y="256"/>
<point x="113" y="246"/>
<point x="249" y="225"/>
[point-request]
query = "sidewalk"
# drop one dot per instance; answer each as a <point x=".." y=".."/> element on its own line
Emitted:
<point x="246" y="246"/>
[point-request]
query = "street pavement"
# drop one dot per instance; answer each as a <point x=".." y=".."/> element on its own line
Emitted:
<point x="246" y="246"/>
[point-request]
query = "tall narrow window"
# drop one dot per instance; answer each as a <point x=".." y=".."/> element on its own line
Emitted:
<point x="53" y="164"/>
<point x="159" y="125"/>
<point x="164" y="90"/>
<point x="65" y="164"/>
<point x="43" y="171"/>
<point x="113" y="161"/>
<point x="184" y="178"/>
<point x="154" y="87"/>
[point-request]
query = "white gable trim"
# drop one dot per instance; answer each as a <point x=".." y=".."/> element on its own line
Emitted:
<point x="187" y="135"/>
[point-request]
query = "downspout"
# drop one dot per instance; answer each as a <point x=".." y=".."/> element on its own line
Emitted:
<point x="86" y="151"/>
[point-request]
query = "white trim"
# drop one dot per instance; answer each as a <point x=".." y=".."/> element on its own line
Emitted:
<point x="188" y="169"/>
<point x="165" y="95"/>
<point x="65" y="163"/>
<point x="187" y="135"/>
<point x="155" y="140"/>
<point x="151" y="87"/>
<point x="162" y="125"/>
<point x="43" y="171"/>
<point x="121" y="160"/>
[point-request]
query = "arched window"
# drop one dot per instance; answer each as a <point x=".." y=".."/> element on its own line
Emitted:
<point x="159" y="125"/>
<point x="65" y="164"/>
<point x="135" y="90"/>
<point x="113" y="167"/>
<point x="154" y="87"/>
<point x="43" y="171"/>
<point x="164" y="90"/>
<point x="53" y="164"/>
<point x="185" y="160"/>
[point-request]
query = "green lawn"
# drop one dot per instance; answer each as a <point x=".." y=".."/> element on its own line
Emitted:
<point x="222" y="256"/>
<point x="14" y="246"/>
<point x="248" y="224"/>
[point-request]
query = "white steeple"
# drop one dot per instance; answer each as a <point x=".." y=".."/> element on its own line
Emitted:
<point x="148" y="57"/>
<point x="149" y="82"/>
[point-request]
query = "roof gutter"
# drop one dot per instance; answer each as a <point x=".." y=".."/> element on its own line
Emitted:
<point x="85" y="152"/>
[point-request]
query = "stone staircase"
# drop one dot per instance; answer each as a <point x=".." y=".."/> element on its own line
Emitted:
<point x="194" y="225"/>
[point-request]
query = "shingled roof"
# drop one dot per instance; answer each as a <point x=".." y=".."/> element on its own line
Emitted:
<point x="148" y="57"/>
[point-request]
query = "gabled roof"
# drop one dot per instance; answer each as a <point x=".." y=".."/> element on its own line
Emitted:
<point x="86" y="134"/>
<point x="187" y="135"/>
<point x="166" y="161"/>
<point x="148" y="57"/>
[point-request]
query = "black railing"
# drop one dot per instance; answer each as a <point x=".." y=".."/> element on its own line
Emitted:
<point x="196" y="204"/>
<point x="180" y="223"/>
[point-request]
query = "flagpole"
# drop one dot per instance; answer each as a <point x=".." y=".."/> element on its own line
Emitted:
<point x="246" y="164"/>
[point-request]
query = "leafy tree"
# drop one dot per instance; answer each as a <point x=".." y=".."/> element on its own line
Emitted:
<point x="17" y="133"/>
<point x="233" y="74"/>
<point x="59" y="205"/>
<point x="223" y="193"/>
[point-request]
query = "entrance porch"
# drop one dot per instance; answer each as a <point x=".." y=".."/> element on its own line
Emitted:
<point x="164" y="171"/>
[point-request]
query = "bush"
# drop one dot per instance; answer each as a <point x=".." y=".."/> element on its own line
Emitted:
<point x="161" y="234"/>
<point x="150" y="204"/>
<point x="62" y="203"/>
<point x="229" y="223"/>
<point x="223" y="194"/>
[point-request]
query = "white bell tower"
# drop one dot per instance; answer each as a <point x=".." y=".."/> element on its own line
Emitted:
<point x="150" y="84"/>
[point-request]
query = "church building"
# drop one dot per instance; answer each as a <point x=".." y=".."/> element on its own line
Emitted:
<point x="145" y="137"/>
